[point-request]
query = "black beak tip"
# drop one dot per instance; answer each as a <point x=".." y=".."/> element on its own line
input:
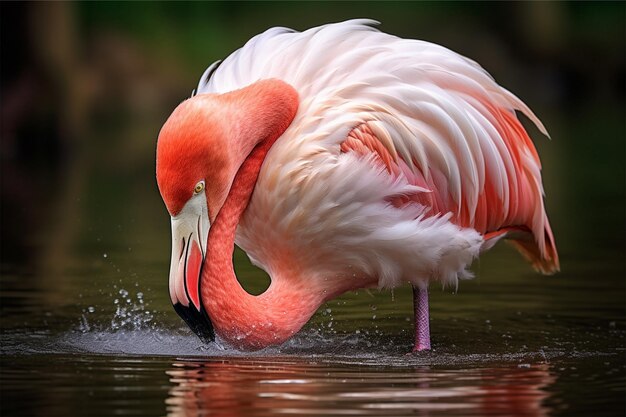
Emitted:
<point x="198" y="321"/>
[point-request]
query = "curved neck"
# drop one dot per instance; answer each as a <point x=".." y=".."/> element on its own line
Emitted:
<point x="244" y="320"/>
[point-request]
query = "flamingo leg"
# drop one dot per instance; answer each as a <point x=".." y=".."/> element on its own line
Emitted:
<point x="422" y="320"/>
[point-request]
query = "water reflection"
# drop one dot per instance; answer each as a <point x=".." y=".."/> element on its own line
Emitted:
<point x="235" y="386"/>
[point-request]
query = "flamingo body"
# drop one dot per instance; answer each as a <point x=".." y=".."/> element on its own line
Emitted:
<point x="382" y="161"/>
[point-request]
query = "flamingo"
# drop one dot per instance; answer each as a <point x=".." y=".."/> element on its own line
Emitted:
<point x="341" y="158"/>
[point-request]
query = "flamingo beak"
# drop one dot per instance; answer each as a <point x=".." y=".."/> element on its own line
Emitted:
<point x="190" y="229"/>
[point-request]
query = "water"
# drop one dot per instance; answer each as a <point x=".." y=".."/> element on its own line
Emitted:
<point x="527" y="345"/>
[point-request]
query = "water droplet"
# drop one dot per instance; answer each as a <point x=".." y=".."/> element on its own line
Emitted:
<point x="91" y="309"/>
<point x="104" y="255"/>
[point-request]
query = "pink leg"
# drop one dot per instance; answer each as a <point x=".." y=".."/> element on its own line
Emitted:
<point x="422" y="321"/>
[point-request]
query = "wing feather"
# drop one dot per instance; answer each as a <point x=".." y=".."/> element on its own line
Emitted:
<point x="441" y="121"/>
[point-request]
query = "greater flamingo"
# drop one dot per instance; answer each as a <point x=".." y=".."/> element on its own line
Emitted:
<point x="339" y="158"/>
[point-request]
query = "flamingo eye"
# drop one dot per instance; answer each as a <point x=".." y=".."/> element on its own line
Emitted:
<point x="198" y="188"/>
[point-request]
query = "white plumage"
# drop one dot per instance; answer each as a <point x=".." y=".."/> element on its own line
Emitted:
<point x="426" y="105"/>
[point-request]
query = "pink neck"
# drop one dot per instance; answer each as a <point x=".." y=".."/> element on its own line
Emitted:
<point x="244" y="320"/>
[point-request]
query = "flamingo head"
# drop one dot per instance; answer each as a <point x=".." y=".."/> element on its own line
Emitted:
<point x="199" y="151"/>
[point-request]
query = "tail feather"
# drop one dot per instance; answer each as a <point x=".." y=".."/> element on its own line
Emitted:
<point x="523" y="240"/>
<point x="546" y="262"/>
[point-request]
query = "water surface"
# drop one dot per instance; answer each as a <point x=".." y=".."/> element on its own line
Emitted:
<point x="107" y="343"/>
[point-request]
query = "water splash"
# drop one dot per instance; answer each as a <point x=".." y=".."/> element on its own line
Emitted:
<point x="131" y="313"/>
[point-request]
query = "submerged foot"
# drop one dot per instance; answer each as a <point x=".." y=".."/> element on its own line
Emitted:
<point x="421" y="348"/>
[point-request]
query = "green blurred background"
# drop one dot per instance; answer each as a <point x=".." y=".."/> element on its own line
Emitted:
<point x="86" y="87"/>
